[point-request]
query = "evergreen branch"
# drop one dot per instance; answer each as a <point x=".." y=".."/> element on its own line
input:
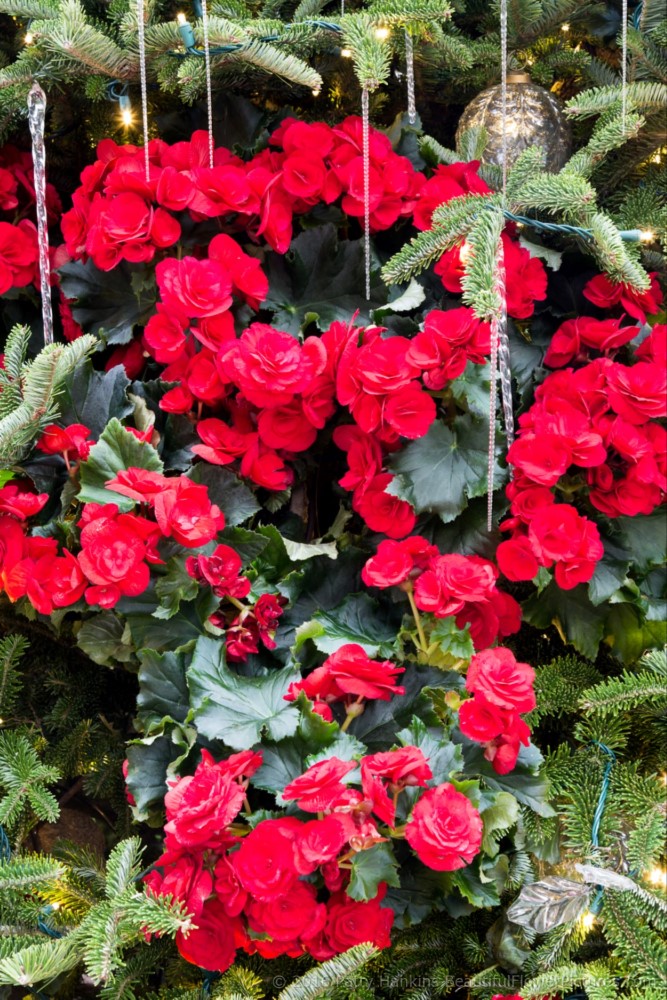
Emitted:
<point x="636" y="945"/>
<point x="157" y="914"/>
<point x="655" y="660"/>
<point x="12" y="648"/>
<point x="623" y="693"/>
<point x="472" y="143"/>
<point x="30" y="8"/>
<point x="40" y="962"/>
<point x="479" y="282"/>
<point x="102" y="941"/>
<point x="370" y="55"/>
<point x="320" y="980"/>
<point x="123" y="866"/>
<point x="604" y="139"/>
<point x="566" y="193"/>
<point x="23" y="777"/>
<point x="75" y="38"/>
<point x="527" y="167"/>
<point x="42" y="382"/>
<point x="16" y="348"/>
<point x="614" y="256"/>
<point x="641" y="96"/>
<point x="451" y="222"/>
<point x="402" y="12"/>
<point x="272" y="60"/>
<point x="23" y="873"/>
<point x="432" y="151"/>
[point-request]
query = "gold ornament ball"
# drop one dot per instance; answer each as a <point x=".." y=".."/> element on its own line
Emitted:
<point x="534" y="118"/>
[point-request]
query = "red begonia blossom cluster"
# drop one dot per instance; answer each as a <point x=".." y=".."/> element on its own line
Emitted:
<point x="444" y="585"/>
<point x="118" y="215"/>
<point x="274" y="394"/>
<point x="279" y="888"/>
<point x="593" y="432"/>
<point x="501" y="688"/>
<point x="349" y="677"/>
<point x="115" y="549"/>
<point x="19" y="254"/>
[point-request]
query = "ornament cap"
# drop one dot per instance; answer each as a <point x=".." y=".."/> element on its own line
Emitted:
<point x="518" y="76"/>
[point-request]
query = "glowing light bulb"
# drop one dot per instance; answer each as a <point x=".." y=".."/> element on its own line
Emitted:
<point x="346" y="53"/>
<point x="126" y="117"/>
<point x="658" y="877"/>
<point x="2" y="722"/>
<point x="587" y="920"/>
<point x="181" y="18"/>
<point x="29" y="38"/>
<point x="55" y="906"/>
<point x="382" y="34"/>
<point x="464" y="252"/>
<point x="647" y="236"/>
<point x="565" y="27"/>
<point x="316" y="91"/>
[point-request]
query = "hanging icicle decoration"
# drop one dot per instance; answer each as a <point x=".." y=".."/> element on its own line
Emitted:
<point x="366" y="153"/>
<point x="36" y="118"/>
<point x="500" y="362"/>
<point x="410" y="77"/>
<point x="624" y="61"/>
<point x="141" y="26"/>
<point x="503" y="84"/>
<point x="209" y="89"/>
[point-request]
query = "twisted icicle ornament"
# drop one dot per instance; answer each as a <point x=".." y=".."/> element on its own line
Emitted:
<point x="366" y="153"/>
<point x="36" y="118"/>
<point x="209" y="88"/>
<point x="141" y="27"/>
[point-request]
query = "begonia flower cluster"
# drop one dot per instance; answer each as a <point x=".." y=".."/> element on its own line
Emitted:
<point x="279" y="888"/>
<point x="502" y="689"/>
<point x="19" y="252"/>
<point x="116" y="549"/>
<point x="276" y="394"/>
<point x="118" y="215"/>
<point x="443" y="585"/>
<point x="593" y="433"/>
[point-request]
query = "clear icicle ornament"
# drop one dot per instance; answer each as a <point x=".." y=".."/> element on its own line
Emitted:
<point x="624" y="61"/>
<point x="410" y="77"/>
<point x="36" y="118"/>
<point x="499" y="366"/>
<point x="366" y="153"/>
<point x="141" y="28"/>
<point x="500" y="362"/>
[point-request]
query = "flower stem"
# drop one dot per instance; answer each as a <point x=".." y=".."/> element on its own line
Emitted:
<point x="423" y="645"/>
<point x="353" y="711"/>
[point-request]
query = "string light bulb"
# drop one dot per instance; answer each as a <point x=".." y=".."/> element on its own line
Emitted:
<point x="382" y="34"/>
<point x="565" y="27"/>
<point x="316" y="91"/>
<point x="647" y="236"/>
<point x="346" y="53"/>
<point x="29" y="38"/>
<point x="55" y="906"/>
<point x="658" y="876"/>
<point x="181" y="18"/>
<point x="126" y="116"/>
<point x="587" y="920"/>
